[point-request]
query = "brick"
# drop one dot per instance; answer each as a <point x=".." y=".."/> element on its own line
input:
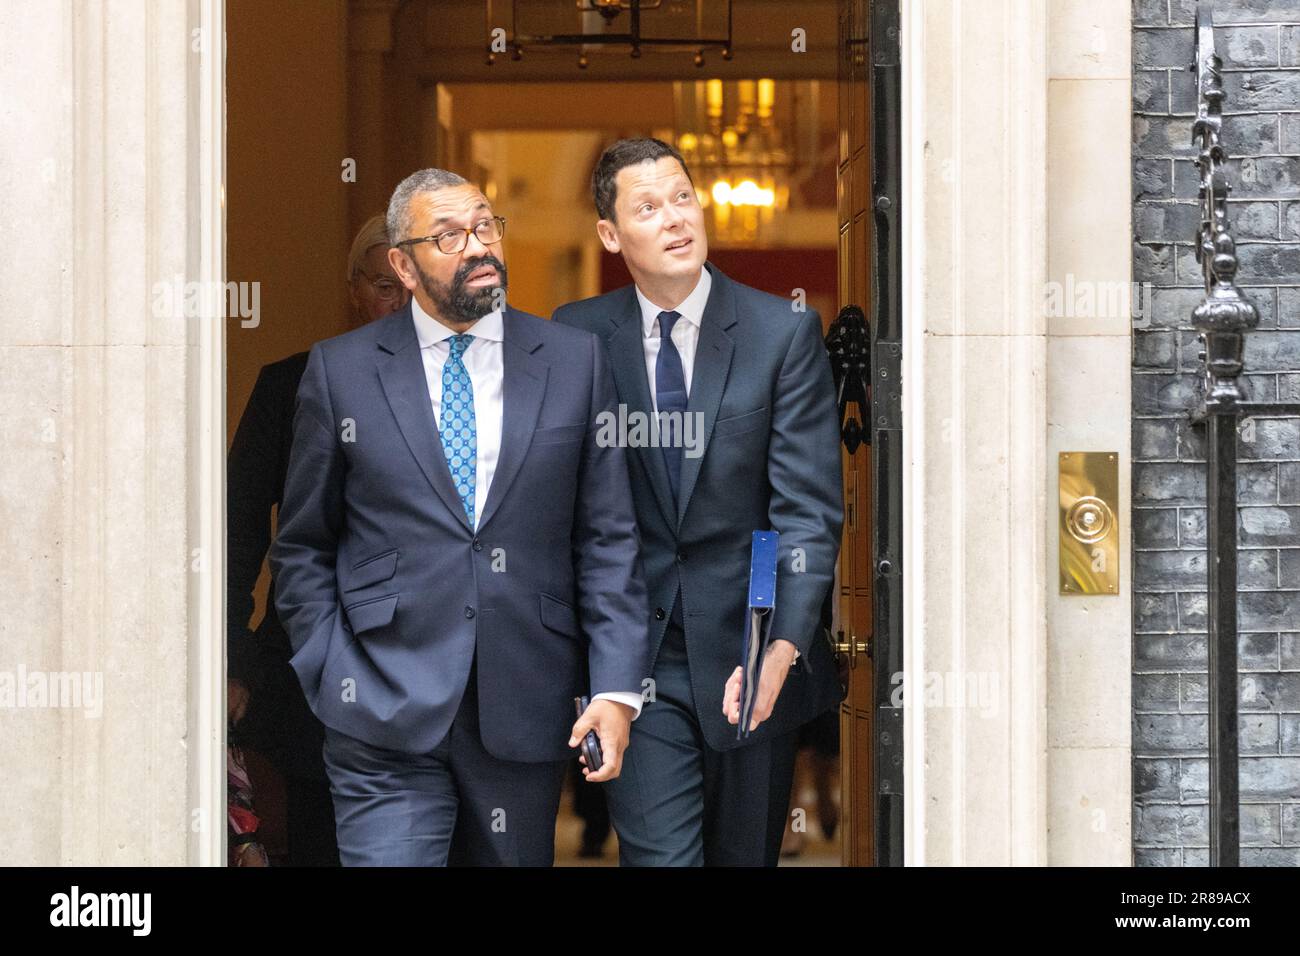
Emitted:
<point x="1154" y="438"/>
<point x="1155" y="136"/>
<point x="1153" y="263"/>
<point x="1172" y="308"/>
<point x="1257" y="652"/>
<point x="1172" y="652"/>
<point x="1194" y="779"/>
<point x="1289" y="734"/>
<point x="1163" y="824"/>
<point x="1247" y="46"/>
<point x="1289" y="483"/>
<point x="1153" y="693"/>
<point x="1270" y="778"/>
<point x="1290" y="823"/>
<point x="1241" y="11"/>
<point x="1163" y="49"/>
<point x="1182" y="93"/>
<point x="1251" y="220"/>
<point x="1169" y="222"/>
<point x="1268" y="610"/>
<point x="1288" y="644"/>
<point x="1155" y="394"/>
<point x="1156" y="527"/>
<point x="1289" y="45"/>
<point x="1290" y="123"/>
<point x="1290" y="221"/>
<point x="1262" y="90"/>
<point x="1155" y="778"/>
<point x="1261" y="824"/>
<point x="1270" y="692"/>
<point x="1168" y="483"/>
<point x="1248" y="134"/>
<point x="1151" y="91"/>
<point x="1155" y="350"/>
<point x="1272" y="351"/>
<point x="1279" y="262"/>
<point x="1171" y="856"/>
<point x="1270" y="856"/>
<point x="1154" y="613"/>
<point x="1269" y="526"/>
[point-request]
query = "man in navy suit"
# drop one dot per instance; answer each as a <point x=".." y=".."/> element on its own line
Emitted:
<point x="457" y="554"/>
<point x="748" y="378"/>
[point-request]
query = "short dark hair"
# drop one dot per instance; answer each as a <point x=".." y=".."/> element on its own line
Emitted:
<point x="624" y="153"/>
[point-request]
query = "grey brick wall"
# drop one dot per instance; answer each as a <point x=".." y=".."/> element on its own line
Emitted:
<point x="1259" y="41"/>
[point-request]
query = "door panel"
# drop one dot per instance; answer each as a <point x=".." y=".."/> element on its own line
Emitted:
<point x="855" y="617"/>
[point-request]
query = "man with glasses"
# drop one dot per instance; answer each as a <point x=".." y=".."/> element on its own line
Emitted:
<point x="457" y="555"/>
<point x="266" y="704"/>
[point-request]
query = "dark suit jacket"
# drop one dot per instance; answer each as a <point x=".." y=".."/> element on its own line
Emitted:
<point x="771" y="461"/>
<point x="388" y="595"/>
<point x="278" y="721"/>
<point x="255" y="473"/>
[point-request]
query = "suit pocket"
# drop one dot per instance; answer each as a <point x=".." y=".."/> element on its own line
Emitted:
<point x="381" y="567"/>
<point x="737" y="424"/>
<point x="372" y="614"/>
<point x="558" y="616"/>
<point x="560" y="433"/>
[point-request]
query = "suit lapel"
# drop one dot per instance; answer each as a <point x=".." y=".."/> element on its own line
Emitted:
<point x="627" y="359"/>
<point x="401" y="373"/>
<point x="709" y="378"/>
<point x="523" y="387"/>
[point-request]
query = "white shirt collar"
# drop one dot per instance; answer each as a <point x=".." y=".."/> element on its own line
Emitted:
<point x="429" y="331"/>
<point x="691" y="307"/>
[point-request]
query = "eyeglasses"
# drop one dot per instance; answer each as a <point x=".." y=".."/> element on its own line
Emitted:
<point x="384" y="287"/>
<point x="452" y="241"/>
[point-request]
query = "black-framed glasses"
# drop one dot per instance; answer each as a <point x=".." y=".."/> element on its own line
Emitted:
<point x="384" y="287"/>
<point x="452" y="241"/>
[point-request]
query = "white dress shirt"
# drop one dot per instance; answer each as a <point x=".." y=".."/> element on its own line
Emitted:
<point x="685" y="334"/>
<point x="484" y="361"/>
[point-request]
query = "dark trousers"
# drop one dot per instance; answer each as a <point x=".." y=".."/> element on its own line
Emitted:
<point x="678" y="802"/>
<point x="309" y="820"/>
<point x="457" y="800"/>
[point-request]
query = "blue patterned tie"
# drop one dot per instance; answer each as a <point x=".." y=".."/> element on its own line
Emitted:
<point x="670" y="396"/>
<point x="459" y="438"/>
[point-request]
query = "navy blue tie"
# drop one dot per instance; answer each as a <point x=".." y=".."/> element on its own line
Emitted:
<point x="670" y="396"/>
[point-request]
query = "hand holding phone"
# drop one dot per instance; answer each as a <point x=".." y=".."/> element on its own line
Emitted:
<point x="590" y="743"/>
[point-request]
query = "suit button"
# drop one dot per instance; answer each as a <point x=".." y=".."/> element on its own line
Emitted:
<point x="659" y="614"/>
<point x="469" y="612"/>
<point x="681" y="557"/>
<point x="478" y="545"/>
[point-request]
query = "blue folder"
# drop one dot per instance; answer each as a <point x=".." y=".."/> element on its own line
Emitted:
<point x="758" y="622"/>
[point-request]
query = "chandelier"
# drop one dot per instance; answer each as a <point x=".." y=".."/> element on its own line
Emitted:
<point x="744" y="149"/>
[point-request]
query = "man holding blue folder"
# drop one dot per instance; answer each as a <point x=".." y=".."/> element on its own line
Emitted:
<point x="750" y="442"/>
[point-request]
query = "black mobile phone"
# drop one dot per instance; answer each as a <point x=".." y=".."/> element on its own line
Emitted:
<point x="590" y="744"/>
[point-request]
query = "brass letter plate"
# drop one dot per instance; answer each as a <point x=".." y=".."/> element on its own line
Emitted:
<point x="1089" y="548"/>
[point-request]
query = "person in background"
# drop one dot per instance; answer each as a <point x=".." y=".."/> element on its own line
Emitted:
<point x="264" y="699"/>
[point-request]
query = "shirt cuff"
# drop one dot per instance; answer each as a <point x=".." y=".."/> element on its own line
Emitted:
<point x="630" y="698"/>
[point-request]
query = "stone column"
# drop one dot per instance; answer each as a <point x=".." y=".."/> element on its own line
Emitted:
<point x="975" y="428"/>
<point x="104" y="391"/>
